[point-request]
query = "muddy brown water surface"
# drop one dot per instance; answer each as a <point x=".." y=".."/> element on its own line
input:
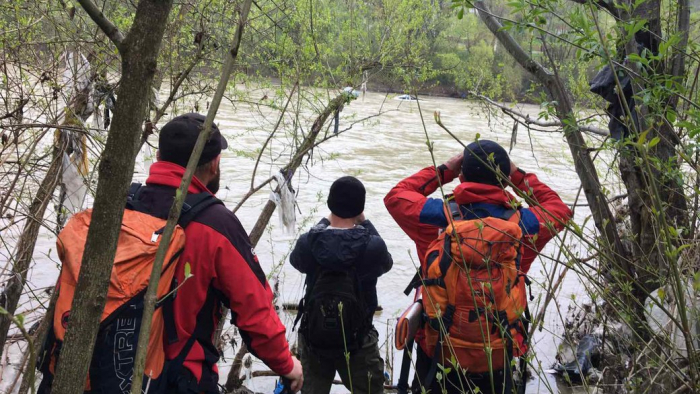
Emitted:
<point x="380" y="152"/>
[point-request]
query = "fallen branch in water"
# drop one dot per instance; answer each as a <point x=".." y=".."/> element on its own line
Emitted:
<point x="256" y="189"/>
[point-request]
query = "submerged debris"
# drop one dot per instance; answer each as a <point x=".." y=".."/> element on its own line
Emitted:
<point x="593" y="347"/>
<point x="587" y="351"/>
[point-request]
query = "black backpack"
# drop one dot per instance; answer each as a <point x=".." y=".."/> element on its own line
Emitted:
<point x="334" y="312"/>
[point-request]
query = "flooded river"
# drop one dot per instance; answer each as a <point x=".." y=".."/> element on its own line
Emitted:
<point x="380" y="151"/>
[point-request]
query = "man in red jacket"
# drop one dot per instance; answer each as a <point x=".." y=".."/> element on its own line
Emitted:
<point x="484" y="170"/>
<point x="224" y="269"/>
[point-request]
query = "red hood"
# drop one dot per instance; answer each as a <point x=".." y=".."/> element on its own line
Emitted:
<point x="470" y="192"/>
<point x="170" y="174"/>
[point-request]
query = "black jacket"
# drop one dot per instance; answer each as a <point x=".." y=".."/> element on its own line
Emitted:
<point x="340" y="249"/>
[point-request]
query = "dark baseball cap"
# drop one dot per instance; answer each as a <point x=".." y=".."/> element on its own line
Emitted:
<point x="178" y="137"/>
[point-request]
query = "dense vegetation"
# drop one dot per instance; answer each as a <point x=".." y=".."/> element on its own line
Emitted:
<point x="540" y="51"/>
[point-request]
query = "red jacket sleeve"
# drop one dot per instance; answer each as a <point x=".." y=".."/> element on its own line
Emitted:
<point x="549" y="209"/>
<point x="250" y="297"/>
<point x="406" y="200"/>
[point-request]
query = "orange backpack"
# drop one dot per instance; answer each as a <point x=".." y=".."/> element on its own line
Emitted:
<point x="112" y="363"/>
<point x="474" y="294"/>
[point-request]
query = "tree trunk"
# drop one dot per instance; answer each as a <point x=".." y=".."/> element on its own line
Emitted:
<point x="643" y="184"/>
<point x="614" y="253"/>
<point x="139" y="52"/>
<point x="583" y="163"/>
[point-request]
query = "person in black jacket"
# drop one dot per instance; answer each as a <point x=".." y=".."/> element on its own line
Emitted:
<point x="342" y="256"/>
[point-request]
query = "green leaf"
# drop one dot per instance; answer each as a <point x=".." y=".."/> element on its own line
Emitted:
<point x="672" y="229"/>
<point x="643" y="138"/>
<point x="460" y="13"/>
<point x="654" y="141"/>
<point x="188" y="271"/>
<point x="671" y="116"/>
<point x="576" y="228"/>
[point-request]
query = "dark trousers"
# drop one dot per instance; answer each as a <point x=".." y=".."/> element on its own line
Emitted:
<point x="455" y="382"/>
<point x="366" y="368"/>
<point x="186" y="383"/>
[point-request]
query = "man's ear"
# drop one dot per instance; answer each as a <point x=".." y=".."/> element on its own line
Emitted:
<point x="214" y="168"/>
<point x="461" y="177"/>
<point x="157" y="154"/>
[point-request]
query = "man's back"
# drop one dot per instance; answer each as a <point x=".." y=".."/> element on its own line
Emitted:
<point x="342" y="256"/>
<point x="224" y="271"/>
<point x="359" y="248"/>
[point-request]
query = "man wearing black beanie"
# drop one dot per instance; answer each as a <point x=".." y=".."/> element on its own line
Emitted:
<point x="342" y="257"/>
<point x="485" y="171"/>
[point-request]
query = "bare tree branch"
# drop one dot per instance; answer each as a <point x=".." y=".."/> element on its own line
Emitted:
<point x="527" y="120"/>
<point x="109" y="28"/>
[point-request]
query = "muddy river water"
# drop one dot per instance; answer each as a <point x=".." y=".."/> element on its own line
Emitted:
<point x="380" y="151"/>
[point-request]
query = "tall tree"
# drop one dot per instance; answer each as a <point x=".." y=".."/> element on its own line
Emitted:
<point x="139" y="53"/>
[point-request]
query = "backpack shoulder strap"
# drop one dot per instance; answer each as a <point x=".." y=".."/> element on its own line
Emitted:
<point x="132" y="196"/>
<point x="194" y="205"/>
<point x="508" y="215"/>
<point x="452" y="210"/>
<point x="447" y="258"/>
<point x="133" y="190"/>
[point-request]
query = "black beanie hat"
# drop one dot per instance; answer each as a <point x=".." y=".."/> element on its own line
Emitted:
<point x="178" y="137"/>
<point x="478" y="165"/>
<point x="346" y="198"/>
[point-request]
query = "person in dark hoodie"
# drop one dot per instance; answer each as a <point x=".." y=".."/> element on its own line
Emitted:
<point x="342" y="256"/>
